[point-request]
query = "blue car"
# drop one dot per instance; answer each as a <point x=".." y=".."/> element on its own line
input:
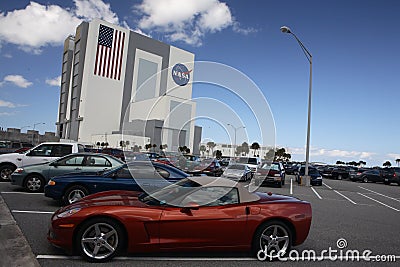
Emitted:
<point x="136" y="176"/>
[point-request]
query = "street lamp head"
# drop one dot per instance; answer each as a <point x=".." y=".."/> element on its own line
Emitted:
<point x="285" y="29"/>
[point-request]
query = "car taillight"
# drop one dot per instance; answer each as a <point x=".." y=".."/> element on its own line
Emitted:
<point x="394" y="174"/>
<point x="358" y="173"/>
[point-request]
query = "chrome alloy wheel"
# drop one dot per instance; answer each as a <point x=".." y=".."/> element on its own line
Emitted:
<point x="75" y="195"/>
<point x="34" y="184"/>
<point x="99" y="241"/>
<point x="274" y="241"/>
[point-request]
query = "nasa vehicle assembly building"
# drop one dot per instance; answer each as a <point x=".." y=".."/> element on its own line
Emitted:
<point x="118" y="85"/>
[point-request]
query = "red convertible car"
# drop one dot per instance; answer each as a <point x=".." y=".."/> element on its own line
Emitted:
<point x="194" y="214"/>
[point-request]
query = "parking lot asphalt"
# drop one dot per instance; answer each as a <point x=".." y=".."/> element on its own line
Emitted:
<point x="14" y="248"/>
<point x="364" y="217"/>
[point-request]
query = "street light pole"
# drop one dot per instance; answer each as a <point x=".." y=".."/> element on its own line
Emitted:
<point x="34" y="125"/>
<point x="235" y="129"/>
<point x="308" y="55"/>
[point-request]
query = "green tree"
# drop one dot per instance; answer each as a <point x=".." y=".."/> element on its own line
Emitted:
<point x="202" y="149"/>
<point x="387" y="164"/>
<point x="362" y="163"/>
<point x="239" y="150"/>
<point x="211" y="146"/>
<point x="270" y="155"/>
<point x="397" y="162"/>
<point x="340" y="162"/>
<point x="218" y="154"/>
<point x="255" y="146"/>
<point x="245" y="148"/>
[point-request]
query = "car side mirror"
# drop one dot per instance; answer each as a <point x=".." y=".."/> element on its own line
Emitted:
<point x="189" y="207"/>
<point x="54" y="164"/>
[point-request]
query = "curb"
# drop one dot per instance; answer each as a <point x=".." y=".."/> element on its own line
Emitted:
<point x="14" y="248"/>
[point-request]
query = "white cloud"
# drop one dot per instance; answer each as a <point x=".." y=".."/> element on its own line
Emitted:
<point x="38" y="25"/>
<point x="188" y="21"/>
<point x="55" y="81"/>
<point x="333" y="153"/>
<point x="91" y="9"/>
<point x="7" y="104"/>
<point x="6" y="113"/>
<point x="18" y="80"/>
<point x="393" y="156"/>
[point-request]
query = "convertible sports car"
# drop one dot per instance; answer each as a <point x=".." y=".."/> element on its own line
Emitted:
<point x="194" y="214"/>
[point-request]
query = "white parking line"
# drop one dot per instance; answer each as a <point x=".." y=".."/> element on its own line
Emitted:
<point x="345" y="197"/>
<point x="327" y="186"/>
<point x="32" y="211"/>
<point x="61" y="257"/>
<point x="291" y="186"/>
<point x="315" y="192"/>
<point x="22" y="193"/>
<point x="395" y="199"/>
<point x="379" y="202"/>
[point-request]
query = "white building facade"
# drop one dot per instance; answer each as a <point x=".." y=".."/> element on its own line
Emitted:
<point x="118" y="85"/>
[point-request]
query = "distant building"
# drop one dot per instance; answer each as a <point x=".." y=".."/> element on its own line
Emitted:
<point x="14" y="139"/>
<point x="103" y="68"/>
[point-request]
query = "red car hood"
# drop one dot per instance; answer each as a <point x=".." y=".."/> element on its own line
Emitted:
<point x="108" y="198"/>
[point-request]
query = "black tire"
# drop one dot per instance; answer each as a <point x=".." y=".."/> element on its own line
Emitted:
<point x="274" y="234"/>
<point x="74" y="193"/>
<point x="34" y="183"/>
<point x="5" y="171"/>
<point x="100" y="239"/>
<point x="365" y="179"/>
<point x="340" y="177"/>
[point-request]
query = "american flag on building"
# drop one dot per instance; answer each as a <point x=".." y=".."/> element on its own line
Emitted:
<point x="110" y="49"/>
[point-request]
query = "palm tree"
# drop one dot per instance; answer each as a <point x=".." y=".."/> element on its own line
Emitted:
<point x="398" y="162"/>
<point x="255" y="146"/>
<point x="211" y="146"/>
<point x="387" y="164"/>
<point x="202" y="149"/>
<point x="245" y="148"/>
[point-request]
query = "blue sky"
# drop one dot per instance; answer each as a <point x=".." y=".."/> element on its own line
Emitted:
<point x="354" y="43"/>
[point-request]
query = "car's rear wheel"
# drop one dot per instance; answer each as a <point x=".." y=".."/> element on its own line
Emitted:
<point x="272" y="240"/>
<point x="34" y="183"/>
<point x="365" y="179"/>
<point x="100" y="239"/>
<point x="5" y="171"/>
<point x="75" y="193"/>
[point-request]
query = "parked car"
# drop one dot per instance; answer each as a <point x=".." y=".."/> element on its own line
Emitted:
<point x="271" y="174"/>
<point x="315" y="176"/>
<point x="34" y="177"/>
<point x="44" y="152"/>
<point x="105" y="224"/>
<point x="373" y="175"/>
<point x="392" y="175"/>
<point x="252" y="162"/>
<point x="292" y="168"/>
<point x="237" y="172"/>
<point x="353" y="173"/>
<point x="115" y="152"/>
<point x="135" y="176"/>
<point x="210" y="167"/>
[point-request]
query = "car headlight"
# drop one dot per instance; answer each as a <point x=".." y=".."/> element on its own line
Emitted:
<point x="68" y="213"/>
<point x="19" y="170"/>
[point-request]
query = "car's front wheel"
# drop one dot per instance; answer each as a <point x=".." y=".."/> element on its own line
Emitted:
<point x="99" y="239"/>
<point x="75" y="193"/>
<point x="365" y="179"/>
<point x="34" y="183"/>
<point x="272" y="240"/>
<point x="6" y="171"/>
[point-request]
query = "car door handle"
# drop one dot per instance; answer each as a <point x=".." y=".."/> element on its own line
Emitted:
<point x="146" y="184"/>
<point x="78" y="169"/>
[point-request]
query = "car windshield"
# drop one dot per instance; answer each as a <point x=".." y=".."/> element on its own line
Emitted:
<point x="169" y="194"/>
<point x="248" y="161"/>
<point x="273" y="166"/>
<point x="236" y="167"/>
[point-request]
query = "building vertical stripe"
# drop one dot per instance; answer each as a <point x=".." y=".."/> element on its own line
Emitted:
<point x="122" y="52"/>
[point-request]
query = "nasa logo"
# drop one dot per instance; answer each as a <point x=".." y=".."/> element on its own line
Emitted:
<point x="181" y="74"/>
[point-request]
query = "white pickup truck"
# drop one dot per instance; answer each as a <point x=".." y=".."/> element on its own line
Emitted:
<point x="44" y="152"/>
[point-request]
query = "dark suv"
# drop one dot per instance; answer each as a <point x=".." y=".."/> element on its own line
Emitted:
<point x="392" y="175"/>
<point x="270" y="173"/>
<point x="315" y="176"/>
